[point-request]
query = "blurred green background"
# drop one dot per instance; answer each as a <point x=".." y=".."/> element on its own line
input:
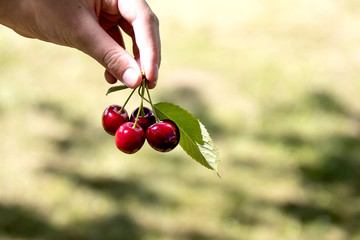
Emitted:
<point x="277" y="83"/>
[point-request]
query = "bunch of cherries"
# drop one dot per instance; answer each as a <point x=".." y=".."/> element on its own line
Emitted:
<point x="130" y="132"/>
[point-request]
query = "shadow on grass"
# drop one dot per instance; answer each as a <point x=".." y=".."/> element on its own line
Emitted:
<point x="112" y="227"/>
<point x="202" y="235"/>
<point x="308" y="213"/>
<point x="325" y="102"/>
<point x="81" y="134"/>
<point x="339" y="163"/>
<point x="336" y="167"/>
<point x="115" y="188"/>
<point x="339" y="154"/>
<point x="21" y="222"/>
<point x="243" y="209"/>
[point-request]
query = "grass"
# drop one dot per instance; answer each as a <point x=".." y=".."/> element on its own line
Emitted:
<point x="276" y="84"/>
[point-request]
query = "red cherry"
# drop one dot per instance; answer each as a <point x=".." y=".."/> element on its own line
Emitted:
<point x="129" y="139"/>
<point x="112" y="119"/>
<point x="144" y="121"/>
<point x="163" y="136"/>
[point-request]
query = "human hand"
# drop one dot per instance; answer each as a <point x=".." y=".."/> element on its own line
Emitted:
<point x="92" y="26"/>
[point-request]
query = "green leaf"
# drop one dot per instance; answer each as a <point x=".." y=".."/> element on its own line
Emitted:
<point x="116" y="88"/>
<point x="194" y="138"/>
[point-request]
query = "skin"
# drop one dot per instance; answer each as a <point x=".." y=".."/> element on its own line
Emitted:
<point x="94" y="27"/>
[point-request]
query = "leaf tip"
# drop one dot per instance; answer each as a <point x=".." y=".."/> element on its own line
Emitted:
<point x="116" y="88"/>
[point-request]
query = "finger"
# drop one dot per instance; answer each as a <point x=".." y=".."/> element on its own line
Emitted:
<point x="112" y="28"/>
<point x="115" y="33"/>
<point x="100" y="45"/>
<point x="146" y="31"/>
<point x="128" y="29"/>
<point x="148" y="45"/>
<point x="109" y="77"/>
<point x="152" y="85"/>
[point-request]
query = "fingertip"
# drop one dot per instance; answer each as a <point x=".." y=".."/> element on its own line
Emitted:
<point x="109" y="77"/>
<point x="152" y="73"/>
<point x="152" y="85"/>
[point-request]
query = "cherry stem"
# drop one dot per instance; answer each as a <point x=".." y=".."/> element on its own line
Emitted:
<point x="127" y="100"/>
<point x="142" y="113"/>
<point x="152" y="105"/>
<point x="141" y="103"/>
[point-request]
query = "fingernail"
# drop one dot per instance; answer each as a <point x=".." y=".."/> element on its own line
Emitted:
<point x="152" y="85"/>
<point x="130" y="77"/>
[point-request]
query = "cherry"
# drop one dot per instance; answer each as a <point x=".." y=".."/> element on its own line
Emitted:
<point x="163" y="136"/>
<point x="128" y="139"/>
<point x="112" y="119"/>
<point x="144" y="121"/>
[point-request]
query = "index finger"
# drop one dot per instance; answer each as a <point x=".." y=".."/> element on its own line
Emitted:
<point x="147" y="36"/>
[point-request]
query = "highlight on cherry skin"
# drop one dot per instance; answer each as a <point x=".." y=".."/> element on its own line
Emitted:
<point x="129" y="139"/>
<point x="145" y="120"/>
<point x="163" y="136"/>
<point x="112" y="118"/>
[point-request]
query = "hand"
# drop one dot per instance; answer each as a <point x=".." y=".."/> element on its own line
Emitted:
<point x="92" y="26"/>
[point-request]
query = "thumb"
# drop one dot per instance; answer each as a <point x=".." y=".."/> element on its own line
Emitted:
<point x="101" y="46"/>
